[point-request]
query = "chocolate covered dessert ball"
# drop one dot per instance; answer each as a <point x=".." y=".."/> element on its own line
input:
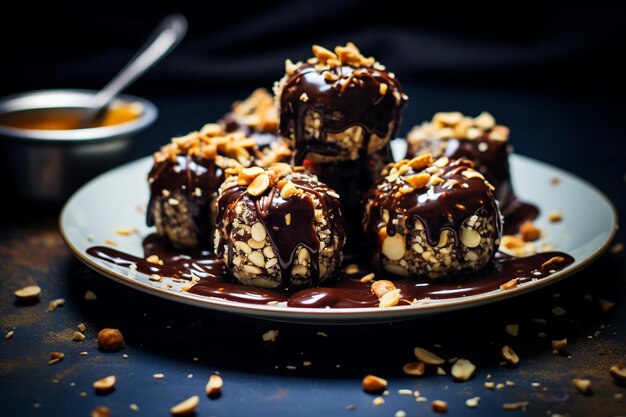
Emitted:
<point x="185" y="179"/>
<point x="338" y="106"/>
<point x="256" y="116"/>
<point x="433" y="218"/>
<point x="478" y="139"/>
<point x="278" y="227"/>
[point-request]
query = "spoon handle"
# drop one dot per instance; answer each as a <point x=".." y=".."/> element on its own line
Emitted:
<point x="162" y="41"/>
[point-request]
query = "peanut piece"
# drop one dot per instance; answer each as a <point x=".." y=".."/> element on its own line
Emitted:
<point x="427" y="357"/>
<point x="440" y="406"/>
<point x="214" y="386"/>
<point x="463" y="369"/>
<point x="373" y="384"/>
<point x="380" y="288"/>
<point x="618" y="372"/>
<point x="29" y="293"/>
<point x="389" y="299"/>
<point x="186" y="407"/>
<point x="582" y="385"/>
<point x="259" y="185"/>
<point x="414" y="368"/>
<point x="105" y="384"/>
<point x="510" y="356"/>
<point x="110" y="340"/>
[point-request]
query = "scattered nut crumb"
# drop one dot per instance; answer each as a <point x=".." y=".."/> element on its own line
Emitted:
<point x="369" y="277"/>
<point x="56" y="357"/>
<point x="158" y="376"/>
<point x="509" y="285"/>
<point x="490" y="385"/>
<point x="558" y="311"/>
<point x="110" y="242"/>
<point x="378" y="401"/>
<point x="101" y="412"/>
<point x="559" y="345"/>
<point x="618" y="372"/>
<point x="352" y="269"/>
<point x="351" y="407"/>
<point x="54" y="304"/>
<point x="105" y="384"/>
<point x="110" y="340"/>
<point x="555" y="216"/>
<point x="373" y="384"/>
<point x="515" y="406"/>
<point x="9" y="335"/>
<point x="582" y="385"/>
<point x="214" y="386"/>
<point x="81" y="327"/>
<point x="270" y="336"/>
<point x="555" y="180"/>
<point x="617" y="248"/>
<point x="84" y="353"/>
<point x="186" y="407"/>
<point x="78" y="337"/>
<point x="322" y="334"/>
<point x="529" y="232"/>
<point x="90" y="296"/>
<point x="512" y="329"/>
<point x="427" y="357"/>
<point x="509" y="355"/>
<point x="441" y="371"/>
<point x="414" y="368"/>
<point x="405" y="392"/>
<point x="82" y="394"/>
<point x="306" y="363"/>
<point x="29" y="293"/>
<point x="124" y="231"/>
<point x="389" y="299"/>
<point x="500" y="385"/>
<point x="440" y="406"/>
<point x="472" y="402"/>
<point x="606" y="305"/>
<point x="463" y="370"/>
<point x="133" y="407"/>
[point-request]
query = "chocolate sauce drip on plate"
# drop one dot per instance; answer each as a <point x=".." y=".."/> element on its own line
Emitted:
<point x="271" y="211"/>
<point x="359" y="104"/>
<point x="201" y="264"/>
<point x="187" y="174"/>
<point x="439" y="208"/>
<point x="342" y="292"/>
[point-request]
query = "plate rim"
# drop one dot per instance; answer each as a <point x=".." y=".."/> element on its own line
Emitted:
<point x="343" y="315"/>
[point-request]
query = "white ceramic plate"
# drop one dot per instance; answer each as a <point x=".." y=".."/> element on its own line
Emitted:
<point x="111" y="201"/>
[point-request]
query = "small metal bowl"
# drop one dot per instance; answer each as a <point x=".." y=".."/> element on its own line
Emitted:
<point x="48" y="165"/>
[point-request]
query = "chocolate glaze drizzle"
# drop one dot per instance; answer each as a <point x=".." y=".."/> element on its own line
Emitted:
<point x="491" y="158"/>
<point x="438" y="207"/>
<point x="185" y="175"/>
<point x="285" y="239"/>
<point x="342" y="292"/>
<point x="360" y="103"/>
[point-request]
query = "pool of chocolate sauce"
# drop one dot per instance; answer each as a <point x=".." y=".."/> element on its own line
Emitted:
<point x="343" y="292"/>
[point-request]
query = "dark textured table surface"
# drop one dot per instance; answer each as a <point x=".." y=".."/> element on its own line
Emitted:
<point x="582" y="133"/>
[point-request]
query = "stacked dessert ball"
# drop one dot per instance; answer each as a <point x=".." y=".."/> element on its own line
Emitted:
<point x="478" y="139"/>
<point x="433" y="214"/>
<point x="279" y="227"/>
<point x="338" y="111"/>
<point x="184" y="181"/>
<point x="433" y="218"/>
<point x="338" y="106"/>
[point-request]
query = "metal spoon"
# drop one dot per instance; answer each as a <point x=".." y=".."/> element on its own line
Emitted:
<point x="162" y="41"/>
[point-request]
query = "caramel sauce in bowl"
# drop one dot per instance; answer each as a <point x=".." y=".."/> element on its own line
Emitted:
<point x="45" y="156"/>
